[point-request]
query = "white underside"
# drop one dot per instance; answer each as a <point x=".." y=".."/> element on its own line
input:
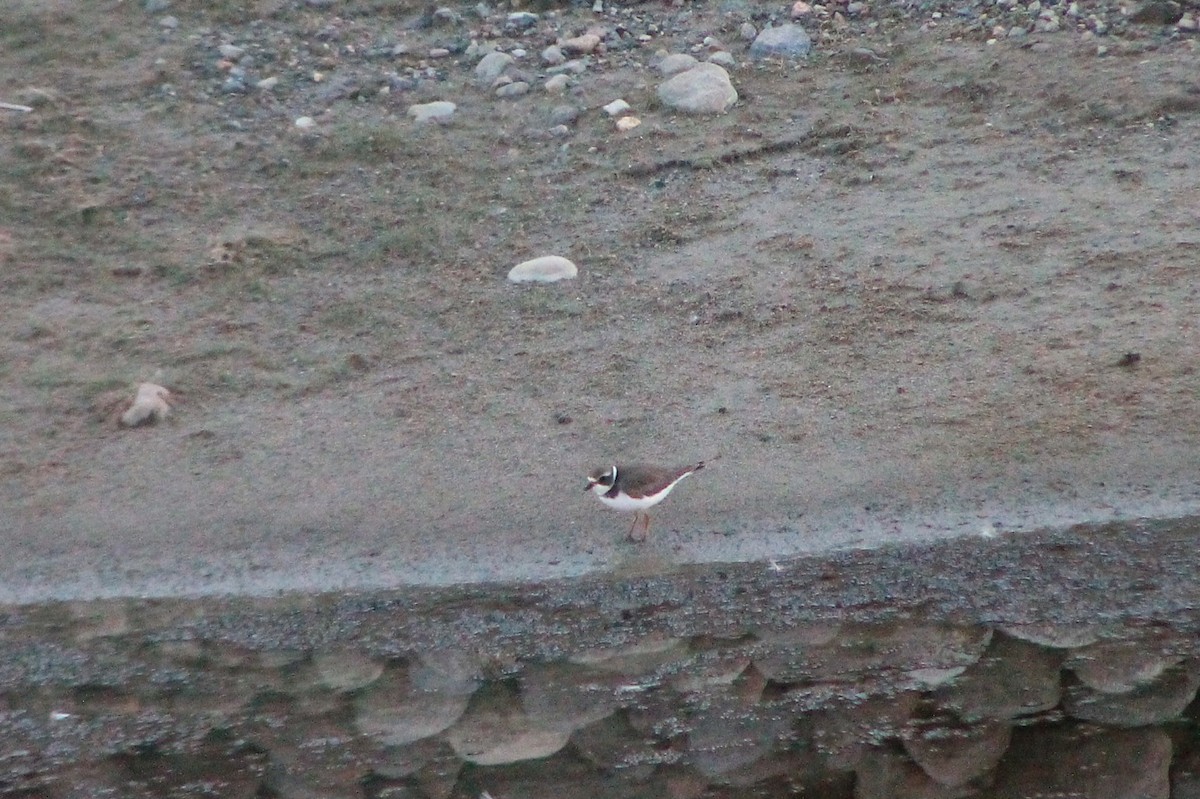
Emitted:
<point x="624" y="502"/>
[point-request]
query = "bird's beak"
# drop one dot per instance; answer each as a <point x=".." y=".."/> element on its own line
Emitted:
<point x="589" y="485"/>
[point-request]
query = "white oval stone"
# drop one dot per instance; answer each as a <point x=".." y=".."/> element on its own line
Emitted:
<point x="547" y="269"/>
<point x="437" y="111"/>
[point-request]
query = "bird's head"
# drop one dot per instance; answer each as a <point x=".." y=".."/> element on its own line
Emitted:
<point x="601" y="480"/>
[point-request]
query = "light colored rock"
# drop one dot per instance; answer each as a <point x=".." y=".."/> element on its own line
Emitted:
<point x="932" y="678"/>
<point x="514" y="89"/>
<point x="546" y="269"/>
<point x="556" y="84"/>
<point x="703" y="89"/>
<point x="788" y="41"/>
<point x="437" y="111"/>
<point x="1118" y="667"/>
<point x="723" y="58"/>
<point x="497" y="731"/>
<point x="305" y="123"/>
<point x="553" y="56"/>
<point x="801" y="9"/>
<point x="954" y="757"/>
<point x="152" y="404"/>
<point x="675" y="63"/>
<point x="231" y="51"/>
<point x="627" y="123"/>
<point x="346" y="671"/>
<point x="747" y="31"/>
<point x="616" y="108"/>
<point x="565" y="697"/>
<point x="635" y="658"/>
<point x="403" y="706"/>
<point x="1156" y="703"/>
<point x="1057" y="636"/>
<point x="580" y="45"/>
<point x="492" y="66"/>
<point x="1013" y="678"/>
<point x="266" y="84"/>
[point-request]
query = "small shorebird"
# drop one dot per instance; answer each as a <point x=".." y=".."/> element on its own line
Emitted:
<point x="636" y="487"/>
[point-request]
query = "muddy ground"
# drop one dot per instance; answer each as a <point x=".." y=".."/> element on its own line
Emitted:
<point x="934" y="287"/>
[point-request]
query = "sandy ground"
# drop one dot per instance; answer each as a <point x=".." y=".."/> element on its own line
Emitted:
<point x="942" y="292"/>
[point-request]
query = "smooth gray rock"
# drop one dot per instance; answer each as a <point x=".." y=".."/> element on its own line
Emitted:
<point x="788" y="41"/>
<point x="492" y="66"/>
<point x="703" y="89"/>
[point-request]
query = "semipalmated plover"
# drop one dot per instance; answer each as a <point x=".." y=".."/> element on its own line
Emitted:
<point x="636" y="487"/>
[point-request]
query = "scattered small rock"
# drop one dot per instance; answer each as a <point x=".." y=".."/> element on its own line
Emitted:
<point x="676" y="63"/>
<point x="626" y="123"/>
<point x="546" y="269"/>
<point x="553" y="56"/>
<point x="1157" y="12"/>
<point x="521" y="20"/>
<point x="580" y="45"/>
<point x="492" y="66"/>
<point x="231" y="51"/>
<point x="437" y="111"/>
<point x="305" y="123"/>
<point x="556" y="84"/>
<point x="703" y="89"/>
<point x="152" y="404"/>
<point x="266" y="84"/>
<point x="514" y="89"/>
<point x="723" y="58"/>
<point x="169" y="22"/>
<point x="563" y="114"/>
<point x="439" y="52"/>
<point x="747" y="31"/>
<point x="801" y="9"/>
<point x="789" y="41"/>
<point x="616" y="108"/>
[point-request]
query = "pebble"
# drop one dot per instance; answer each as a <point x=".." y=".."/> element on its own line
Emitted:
<point x="580" y="45"/>
<point x="627" y="123"/>
<point x="546" y="269"/>
<point x="437" y="111"/>
<point x="789" y="41"/>
<point x="723" y="58"/>
<point x="514" y="89"/>
<point x="492" y="66"/>
<point x="801" y="9"/>
<point x="169" y="22"/>
<point x="676" y="63"/>
<point x="1187" y="23"/>
<point x="616" y="108"/>
<point x="553" y="56"/>
<point x="703" y="89"/>
<point x="266" y="84"/>
<point x="563" y="114"/>
<point x="231" y="51"/>
<point x="556" y="84"/>
<point x="234" y="84"/>
<point x="747" y="31"/>
<point x="305" y="123"/>
<point x="521" y="20"/>
<point x="438" y="52"/>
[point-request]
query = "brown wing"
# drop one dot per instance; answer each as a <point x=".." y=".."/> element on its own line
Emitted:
<point x="638" y="479"/>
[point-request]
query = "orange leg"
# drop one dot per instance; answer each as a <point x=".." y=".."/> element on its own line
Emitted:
<point x="644" y="518"/>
